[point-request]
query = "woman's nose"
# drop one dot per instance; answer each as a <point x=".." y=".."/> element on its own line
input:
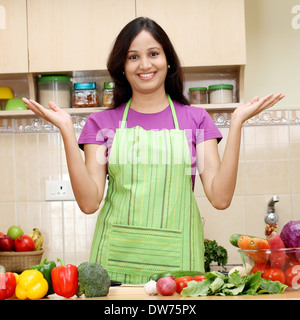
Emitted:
<point x="145" y="63"/>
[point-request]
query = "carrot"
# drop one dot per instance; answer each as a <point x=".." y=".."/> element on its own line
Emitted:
<point x="244" y="242"/>
<point x="258" y="243"/>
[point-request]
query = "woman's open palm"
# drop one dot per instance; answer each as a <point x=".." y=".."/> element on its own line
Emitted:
<point x="255" y="106"/>
<point x="55" y="114"/>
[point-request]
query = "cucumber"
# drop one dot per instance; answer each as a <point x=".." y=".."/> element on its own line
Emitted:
<point x="176" y="274"/>
<point x="235" y="238"/>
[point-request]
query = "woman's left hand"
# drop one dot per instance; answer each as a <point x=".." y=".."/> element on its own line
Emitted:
<point x="254" y="107"/>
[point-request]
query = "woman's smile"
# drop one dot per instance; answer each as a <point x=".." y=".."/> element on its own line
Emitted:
<point x="146" y="76"/>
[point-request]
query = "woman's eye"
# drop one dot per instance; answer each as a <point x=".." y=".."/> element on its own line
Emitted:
<point x="153" y="54"/>
<point x="133" y="57"/>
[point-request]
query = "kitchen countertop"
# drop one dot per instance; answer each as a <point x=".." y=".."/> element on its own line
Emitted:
<point x="137" y="293"/>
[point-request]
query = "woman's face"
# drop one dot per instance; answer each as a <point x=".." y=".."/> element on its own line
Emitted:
<point x="146" y="64"/>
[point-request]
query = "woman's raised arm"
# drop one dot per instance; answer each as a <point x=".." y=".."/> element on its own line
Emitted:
<point x="87" y="178"/>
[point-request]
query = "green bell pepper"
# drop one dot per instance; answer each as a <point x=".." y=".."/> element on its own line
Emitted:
<point x="45" y="267"/>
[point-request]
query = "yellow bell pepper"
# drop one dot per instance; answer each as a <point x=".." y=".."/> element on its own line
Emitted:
<point x="31" y="285"/>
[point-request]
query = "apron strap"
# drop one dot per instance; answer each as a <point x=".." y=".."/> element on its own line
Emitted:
<point x="123" y="123"/>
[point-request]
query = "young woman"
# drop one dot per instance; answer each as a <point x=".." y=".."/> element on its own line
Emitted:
<point x="147" y="145"/>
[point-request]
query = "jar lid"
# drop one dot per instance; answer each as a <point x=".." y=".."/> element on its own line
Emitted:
<point x="54" y="78"/>
<point x="198" y="89"/>
<point x="220" y="86"/>
<point x="109" y="85"/>
<point x="85" y="85"/>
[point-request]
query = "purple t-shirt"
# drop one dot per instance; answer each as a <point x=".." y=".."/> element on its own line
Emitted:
<point x="196" y="122"/>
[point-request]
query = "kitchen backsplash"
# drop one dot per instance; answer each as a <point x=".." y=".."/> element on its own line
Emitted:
<point x="31" y="152"/>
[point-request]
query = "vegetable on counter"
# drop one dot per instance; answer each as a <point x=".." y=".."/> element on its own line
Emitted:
<point x="234" y="238"/>
<point x="45" y="267"/>
<point x="290" y="234"/>
<point x="64" y="279"/>
<point x="9" y="282"/>
<point x="93" y="280"/>
<point x="166" y="286"/>
<point x="150" y="288"/>
<point x="31" y="285"/>
<point x="277" y="258"/>
<point x="176" y="274"/>
<point x="214" y="252"/>
<point x="183" y="281"/>
<point x="217" y="283"/>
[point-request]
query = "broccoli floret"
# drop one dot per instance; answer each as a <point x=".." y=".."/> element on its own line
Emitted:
<point x="93" y="280"/>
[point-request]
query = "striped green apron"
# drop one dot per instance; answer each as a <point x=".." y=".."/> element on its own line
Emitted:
<point x="150" y="220"/>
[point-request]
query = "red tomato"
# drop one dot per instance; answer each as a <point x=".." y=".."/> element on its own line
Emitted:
<point x="262" y="267"/>
<point x="182" y="283"/>
<point x="292" y="276"/>
<point x="24" y="243"/>
<point x="290" y="262"/>
<point x="199" y="277"/>
<point x="274" y="274"/>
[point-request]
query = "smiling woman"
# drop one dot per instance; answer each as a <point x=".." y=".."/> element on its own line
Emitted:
<point x="158" y="46"/>
<point x="150" y="221"/>
<point x="146" y="71"/>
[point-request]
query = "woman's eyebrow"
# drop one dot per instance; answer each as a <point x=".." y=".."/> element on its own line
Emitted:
<point x="149" y="49"/>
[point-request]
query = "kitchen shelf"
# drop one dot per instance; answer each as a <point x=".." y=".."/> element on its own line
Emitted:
<point x="16" y="113"/>
<point x="75" y="111"/>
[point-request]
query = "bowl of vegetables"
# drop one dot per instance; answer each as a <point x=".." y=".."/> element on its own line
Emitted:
<point x="277" y="256"/>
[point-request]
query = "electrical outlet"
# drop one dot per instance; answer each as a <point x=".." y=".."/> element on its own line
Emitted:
<point x="59" y="190"/>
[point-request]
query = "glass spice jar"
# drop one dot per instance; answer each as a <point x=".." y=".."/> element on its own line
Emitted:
<point x="107" y="94"/>
<point x="198" y="95"/>
<point x="85" y="95"/>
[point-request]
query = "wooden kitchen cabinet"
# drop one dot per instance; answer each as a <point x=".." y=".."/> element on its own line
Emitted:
<point x="204" y="33"/>
<point x="66" y="35"/>
<point x="74" y="37"/>
<point x="13" y="36"/>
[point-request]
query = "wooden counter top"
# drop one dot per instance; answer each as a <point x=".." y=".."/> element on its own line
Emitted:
<point x="137" y="293"/>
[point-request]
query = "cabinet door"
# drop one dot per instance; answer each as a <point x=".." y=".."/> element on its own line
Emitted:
<point x="203" y="32"/>
<point x="74" y="34"/>
<point x="13" y="36"/>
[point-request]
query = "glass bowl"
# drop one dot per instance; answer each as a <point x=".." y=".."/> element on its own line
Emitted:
<point x="287" y="260"/>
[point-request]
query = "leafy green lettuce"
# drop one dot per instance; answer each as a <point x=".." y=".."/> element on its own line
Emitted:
<point x="216" y="283"/>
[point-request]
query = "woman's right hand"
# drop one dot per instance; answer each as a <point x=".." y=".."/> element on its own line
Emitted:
<point x="55" y="114"/>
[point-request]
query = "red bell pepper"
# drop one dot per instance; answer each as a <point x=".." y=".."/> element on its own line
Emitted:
<point x="8" y="285"/>
<point x="65" y="279"/>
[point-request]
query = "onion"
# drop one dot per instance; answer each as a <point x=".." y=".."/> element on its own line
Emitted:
<point x="166" y="286"/>
<point x="290" y="234"/>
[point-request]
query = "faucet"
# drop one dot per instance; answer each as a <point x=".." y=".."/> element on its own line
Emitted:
<point x="271" y="215"/>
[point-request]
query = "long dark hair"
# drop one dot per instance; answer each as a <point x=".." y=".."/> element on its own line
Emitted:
<point x="115" y="65"/>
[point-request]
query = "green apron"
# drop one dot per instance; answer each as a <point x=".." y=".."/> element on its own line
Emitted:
<point x="150" y="220"/>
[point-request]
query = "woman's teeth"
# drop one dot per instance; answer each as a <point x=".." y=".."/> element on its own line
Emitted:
<point x="146" y="75"/>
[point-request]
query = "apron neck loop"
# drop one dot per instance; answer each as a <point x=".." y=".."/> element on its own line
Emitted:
<point x="125" y="114"/>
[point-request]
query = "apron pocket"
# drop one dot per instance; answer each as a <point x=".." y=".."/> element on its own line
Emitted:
<point x="143" y="251"/>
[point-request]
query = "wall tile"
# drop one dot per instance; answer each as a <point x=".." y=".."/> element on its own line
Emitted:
<point x="77" y="230"/>
<point x="46" y="216"/>
<point x="7" y="165"/>
<point x="267" y="163"/>
<point x="295" y="158"/>
<point x="7" y="216"/>
<point x="37" y="160"/>
<point x="256" y="207"/>
<point x="221" y="224"/>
